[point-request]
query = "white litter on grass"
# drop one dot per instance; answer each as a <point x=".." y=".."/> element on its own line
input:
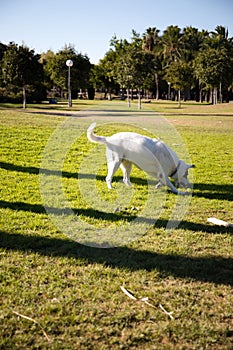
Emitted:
<point x="145" y="300"/>
<point x="219" y="222"/>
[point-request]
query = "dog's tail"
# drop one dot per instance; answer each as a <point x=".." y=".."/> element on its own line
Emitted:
<point x="94" y="138"/>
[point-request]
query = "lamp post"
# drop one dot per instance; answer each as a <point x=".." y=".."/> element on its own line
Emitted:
<point x="169" y="90"/>
<point x="69" y="64"/>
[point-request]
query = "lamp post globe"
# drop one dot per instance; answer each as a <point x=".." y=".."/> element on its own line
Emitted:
<point x="69" y="64"/>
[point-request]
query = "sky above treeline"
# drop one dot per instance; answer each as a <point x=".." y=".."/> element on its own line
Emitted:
<point x="89" y="25"/>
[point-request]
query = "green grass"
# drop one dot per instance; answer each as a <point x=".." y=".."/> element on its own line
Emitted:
<point x="71" y="291"/>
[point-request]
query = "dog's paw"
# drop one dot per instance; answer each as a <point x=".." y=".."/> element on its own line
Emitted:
<point x="184" y="193"/>
<point x="159" y="185"/>
<point x="179" y="193"/>
<point x="127" y="183"/>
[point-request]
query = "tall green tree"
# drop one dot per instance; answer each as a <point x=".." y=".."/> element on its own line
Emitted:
<point x="213" y="68"/>
<point x="133" y="65"/>
<point x="123" y="67"/>
<point x="56" y="69"/>
<point x="219" y="38"/>
<point x="151" y="45"/>
<point x="103" y="75"/>
<point x="192" y="42"/>
<point x="180" y="75"/>
<point x="214" y="63"/>
<point x="21" y="68"/>
<point x="45" y="59"/>
<point x="3" y="48"/>
<point x="172" y="45"/>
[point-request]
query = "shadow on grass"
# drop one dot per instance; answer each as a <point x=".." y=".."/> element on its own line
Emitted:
<point x="101" y="215"/>
<point x="42" y="106"/>
<point x="196" y="114"/>
<point x="76" y="175"/>
<point x="54" y="113"/>
<point x="214" y="191"/>
<point x="214" y="269"/>
<point x="209" y="191"/>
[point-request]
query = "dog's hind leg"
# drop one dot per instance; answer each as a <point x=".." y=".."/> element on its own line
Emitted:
<point x="114" y="162"/>
<point x="126" y="167"/>
<point x="112" y="168"/>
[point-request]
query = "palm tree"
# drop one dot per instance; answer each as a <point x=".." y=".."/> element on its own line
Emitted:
<point x="222" y="46"/>
<point x="221" y="33"/>
<point x="192" y="41"/>
<point x="172" y="45"/>
<point x="150" y="44"/>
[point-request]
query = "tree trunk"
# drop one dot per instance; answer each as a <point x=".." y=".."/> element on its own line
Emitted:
<point x="211" y="96"/>
<point x="200" y="93"/>
<point x="110" y="95"/>
<point x="220" y="92"/>
<point x="157" y="85"/>
<point x="128" y="98"/>
<point x="24" y="97"/>
<point x="214" y="96"/>
<point x="139" y="100"/>
<point x="179" y="103"/>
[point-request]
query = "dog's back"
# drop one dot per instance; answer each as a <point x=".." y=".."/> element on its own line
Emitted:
<point x="151" y="155"/>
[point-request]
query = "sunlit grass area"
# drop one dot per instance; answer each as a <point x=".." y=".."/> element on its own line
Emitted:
<point x="59" y="294"/>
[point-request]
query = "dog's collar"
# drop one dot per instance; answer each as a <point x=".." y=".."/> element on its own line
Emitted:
<point x="176" y="169"/>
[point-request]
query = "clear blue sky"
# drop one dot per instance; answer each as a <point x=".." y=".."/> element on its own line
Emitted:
<point x="90" y="24"/>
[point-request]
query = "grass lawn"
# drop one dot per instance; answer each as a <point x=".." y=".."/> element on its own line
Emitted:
<point x="59" y="294"/>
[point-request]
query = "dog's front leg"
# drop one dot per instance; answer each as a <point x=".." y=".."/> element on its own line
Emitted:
<point x="173" y="189"/>
<point x="164" y="181"/>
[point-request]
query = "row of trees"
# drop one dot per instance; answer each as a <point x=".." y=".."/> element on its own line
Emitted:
<point x="188" y="63"/>
<point x="196" y="64"/>
<point x="24" y="73"/>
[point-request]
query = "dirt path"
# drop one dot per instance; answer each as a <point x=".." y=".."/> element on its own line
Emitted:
<point x="112" y="113"/>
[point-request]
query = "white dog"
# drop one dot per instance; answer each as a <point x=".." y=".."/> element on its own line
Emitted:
<point x="152" y="156"/>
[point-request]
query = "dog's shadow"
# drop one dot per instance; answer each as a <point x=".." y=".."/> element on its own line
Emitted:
<point x="213" y="191"/>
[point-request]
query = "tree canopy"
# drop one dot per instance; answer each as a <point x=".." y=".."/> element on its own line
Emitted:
<point x="187" y="61"/>
<point x="177" y="62"/>
<point x="21" y="70"/>
<point x="56" y="69"/>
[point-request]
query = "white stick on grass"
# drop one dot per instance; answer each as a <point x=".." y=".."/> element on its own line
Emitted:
<point x="145" y="300"/>
<point x="219" y="222"/>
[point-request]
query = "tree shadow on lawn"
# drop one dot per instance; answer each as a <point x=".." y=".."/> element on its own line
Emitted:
<point x="215" y="269"/>
<point x="66" y="174"/>
<point x="112" y="217"/>
<point x="55" y="113"/>
<point x="209" y="191"/>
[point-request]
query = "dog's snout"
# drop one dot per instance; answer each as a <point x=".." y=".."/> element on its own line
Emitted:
<point x="183" y="185"/>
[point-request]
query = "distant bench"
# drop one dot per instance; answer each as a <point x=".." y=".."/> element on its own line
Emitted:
<point x="52" y="101"/>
